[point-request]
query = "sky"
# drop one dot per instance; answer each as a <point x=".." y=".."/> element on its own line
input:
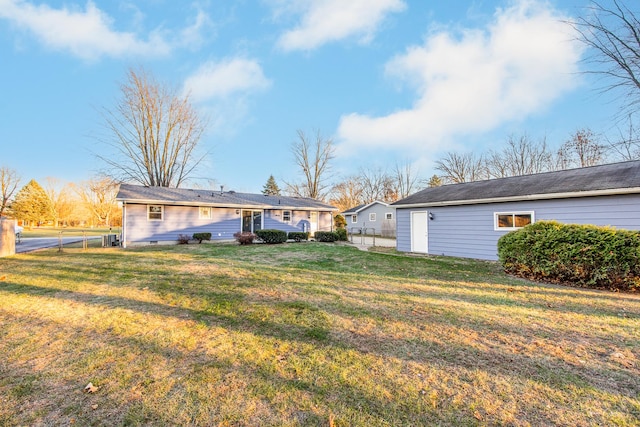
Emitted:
<point x="389" y="81"/>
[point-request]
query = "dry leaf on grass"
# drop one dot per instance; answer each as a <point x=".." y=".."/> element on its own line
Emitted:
<point x="90" y="388"/>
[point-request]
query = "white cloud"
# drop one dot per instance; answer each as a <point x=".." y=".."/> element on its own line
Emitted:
<point x="234" y="76"/>
<point x="88" y="33"/>
<point x="473" y="82"/>
<point x="325" y="21"/>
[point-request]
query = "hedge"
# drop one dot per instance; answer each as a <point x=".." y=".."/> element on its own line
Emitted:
<point x="326" y="236"/>
<point x="298" y="236"/>
<point x="582" y="255"/>
<point x="201" y="236"/>
<point x="272" y="236"/>
<point x="342" y="234"/>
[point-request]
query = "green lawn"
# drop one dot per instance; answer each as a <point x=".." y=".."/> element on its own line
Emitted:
<point x="306" y="334"/>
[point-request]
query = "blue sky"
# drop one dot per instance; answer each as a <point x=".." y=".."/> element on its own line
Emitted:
<point x="389" y="80"/>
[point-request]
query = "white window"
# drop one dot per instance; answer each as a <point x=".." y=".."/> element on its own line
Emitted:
<point x="372" y="217"/>
<point x="354" y="219"/>
<point x="286" y="216"/>
<point x="512" y="220"/>
<point x="388" y="215"/>
<point x="205" y="212"/>
<point x="155" y="212"/>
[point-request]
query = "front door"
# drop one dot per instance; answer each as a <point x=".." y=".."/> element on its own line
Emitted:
<point x="251" y="221"/>
<point x="313" y="221"/>
<point x="419" y="236"/>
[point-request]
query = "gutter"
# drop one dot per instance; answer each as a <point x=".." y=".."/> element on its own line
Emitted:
<point x="529" y="197"/>
<point x="226" y="205"/>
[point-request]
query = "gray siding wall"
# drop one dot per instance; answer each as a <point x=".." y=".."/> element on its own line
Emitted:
<point x="381" y="225"/>
<point x="468" y="231"/>
<point x="223" y="224"/>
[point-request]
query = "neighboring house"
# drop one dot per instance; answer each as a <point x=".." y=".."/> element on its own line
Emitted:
<point x="159" y="214"/>
<point x="466" y="220"/>
<point x="376" y="216"/>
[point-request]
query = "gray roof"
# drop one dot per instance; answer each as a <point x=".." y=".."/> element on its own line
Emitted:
<point x="615" y="178"/>
<point x="359" y="208"/>
<point x="188" y="197"/>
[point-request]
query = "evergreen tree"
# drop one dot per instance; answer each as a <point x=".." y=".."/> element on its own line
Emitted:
<point x="435" y="181"/>
<point x="271" y="187"/>
<point x="32" y="204"/>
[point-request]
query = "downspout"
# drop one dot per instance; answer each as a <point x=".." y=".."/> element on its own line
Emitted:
<point x="124" y="224"/>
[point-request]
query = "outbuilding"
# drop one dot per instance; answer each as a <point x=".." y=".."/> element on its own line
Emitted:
<point x="467" y="219"/>
<point x="371" y="218"/>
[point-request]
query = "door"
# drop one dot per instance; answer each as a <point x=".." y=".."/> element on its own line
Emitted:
<point x="251" y="221"/>
<point x="313" y="221"/>
<point x="419" y="236"/>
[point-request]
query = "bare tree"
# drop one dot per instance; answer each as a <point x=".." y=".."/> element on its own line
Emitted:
<point x="376" y="185"/>
<point x="613" y="35"/>
<point x="62" y="202"/>
<point x="347" y="193"/>
<point x="521" y="156"/>
<point x="99" y="197"/>
<point x="627" y="147"/>
<point x="583" y="149"/>
<point x="405" y="178"/>
<point x="9" y="180"/>
<point x="314" y="159"/>
<point x="155" y="133"/>
<point x="457" y="168"/>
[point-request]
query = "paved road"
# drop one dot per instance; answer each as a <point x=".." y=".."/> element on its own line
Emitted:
<point x="30" y="244"/>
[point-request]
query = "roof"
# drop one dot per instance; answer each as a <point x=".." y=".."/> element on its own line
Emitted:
<point x="614" y="178"/>
<point x="360" y="208"/>
<point x="189" y="197"/>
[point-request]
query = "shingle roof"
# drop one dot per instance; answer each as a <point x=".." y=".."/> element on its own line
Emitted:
<point x="616" y="177"/>
<point x="362" y="207"/>
<point x="182" y="196"/>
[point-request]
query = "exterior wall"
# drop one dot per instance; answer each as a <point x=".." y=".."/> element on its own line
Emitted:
<point x="381" y="225"/>
<point x="468" y="231"/>
<point x="223" y="224"/>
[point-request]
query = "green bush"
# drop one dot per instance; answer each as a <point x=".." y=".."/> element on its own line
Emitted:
<point x="298" y="236"/>
<point x="339" y="221"/>
<point x="272" y="236"/>
<point x="582" y="255"/>
<point x="326" y="236"/>
<point x="244" y="238"/>
<point x="342" y="234"/>
<point x="201" y="236"/>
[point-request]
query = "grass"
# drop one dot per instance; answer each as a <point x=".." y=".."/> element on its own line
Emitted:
<point x="67" y="231"/>
<point x="306" y="334"/>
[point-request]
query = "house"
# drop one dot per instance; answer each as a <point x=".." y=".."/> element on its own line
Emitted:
<point x="159" y="214"/>
<point x="466" y="220"/>
<point x="376" y="217"/>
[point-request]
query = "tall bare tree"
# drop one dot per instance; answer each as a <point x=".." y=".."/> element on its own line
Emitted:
<point x="9" y="180"/>
<point x="347" y="193"/>
<point x="313" y="157"/>
<point x="154" y="131"/>
<point x="612" y="33"/>
<point x="581" y="150"/>
<point x="376" y="185"/>
<point x="457" y="168"/>
<point x="520" y="156"/>
<point x="406" y="179"/>
<point x="99" y="197"/>
<point x="627" y="146"/>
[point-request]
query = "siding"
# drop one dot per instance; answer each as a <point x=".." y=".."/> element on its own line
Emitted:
<point x="381" y="225"/>
<point x="468" y="231"/>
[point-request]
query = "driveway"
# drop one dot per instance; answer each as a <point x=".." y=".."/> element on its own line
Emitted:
<point x="30" y="244"/>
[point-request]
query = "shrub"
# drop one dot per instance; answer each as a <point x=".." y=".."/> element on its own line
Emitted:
<point x="201" y="236"/>
<point x="245" y="237"/>
<point x="326" y="236"/>
<point x="298" y="236"/>
<point x="183" y="239"/>
<point x="339" y="221"/>
<point x="272" y="236"/>
<point x="342" y="234"/>
<point x="582" y="255"/>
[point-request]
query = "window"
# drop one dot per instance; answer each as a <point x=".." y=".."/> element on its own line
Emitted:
<point x="388" y="215"/>
<point x="512" y="220"/>
<point x="354" y="219"/>
<point x="372" y="217"/>
<point x="205" y="212"/>
<point x="155" y="212"/>
<point x="286" y="216"/>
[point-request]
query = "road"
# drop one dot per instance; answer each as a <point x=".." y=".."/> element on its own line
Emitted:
<point x="30" y="244"/>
